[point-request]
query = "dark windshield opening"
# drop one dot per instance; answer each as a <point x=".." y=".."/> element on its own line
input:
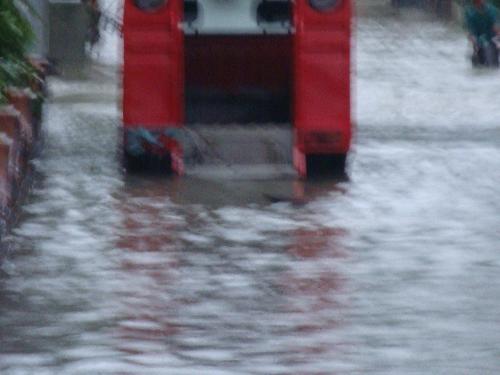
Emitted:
<point x="274" y="11"/>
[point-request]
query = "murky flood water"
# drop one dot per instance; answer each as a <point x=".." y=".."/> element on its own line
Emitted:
<point x="394" y="272"/>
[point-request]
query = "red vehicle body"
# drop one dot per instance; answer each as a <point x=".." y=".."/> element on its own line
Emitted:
<point x="292" y="65"/>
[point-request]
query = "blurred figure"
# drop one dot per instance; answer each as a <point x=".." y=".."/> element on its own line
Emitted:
<point x="481" y="22"/>
<point x="94" y="11"/>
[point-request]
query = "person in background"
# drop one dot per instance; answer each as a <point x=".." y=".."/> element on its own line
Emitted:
<point x="481" y="22"/>
<point x="94" y="11"/>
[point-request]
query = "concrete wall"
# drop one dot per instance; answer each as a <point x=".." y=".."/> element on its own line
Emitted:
<point x="68" y="20"/>
<point x="60" y="28"/>
<point x="40" y="23"/>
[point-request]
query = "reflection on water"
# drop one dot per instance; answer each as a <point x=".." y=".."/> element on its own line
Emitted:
<point x="211" y="294"/>
<point x="393" y="272"/>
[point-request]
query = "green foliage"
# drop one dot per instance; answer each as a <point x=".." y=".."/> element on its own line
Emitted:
<point x="16" y="35"/>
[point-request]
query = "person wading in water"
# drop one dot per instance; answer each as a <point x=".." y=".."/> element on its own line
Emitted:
<point x="481" y="22"/>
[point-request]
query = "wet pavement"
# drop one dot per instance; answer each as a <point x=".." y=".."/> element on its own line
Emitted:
<point x="393" y="272"/>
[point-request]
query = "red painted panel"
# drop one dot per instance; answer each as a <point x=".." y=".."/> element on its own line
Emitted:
<point x="153" y="80"/>
<point x="322" y="102"/>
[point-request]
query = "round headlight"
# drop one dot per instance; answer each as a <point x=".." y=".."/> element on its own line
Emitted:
<point x="149" y="5"/>
<point x="324" y="5"/>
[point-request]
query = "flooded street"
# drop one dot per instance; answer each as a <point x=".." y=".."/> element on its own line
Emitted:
<point x="395" y="271"/>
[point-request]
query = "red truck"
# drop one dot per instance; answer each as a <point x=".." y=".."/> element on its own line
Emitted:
<point x="209" y="61"/>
